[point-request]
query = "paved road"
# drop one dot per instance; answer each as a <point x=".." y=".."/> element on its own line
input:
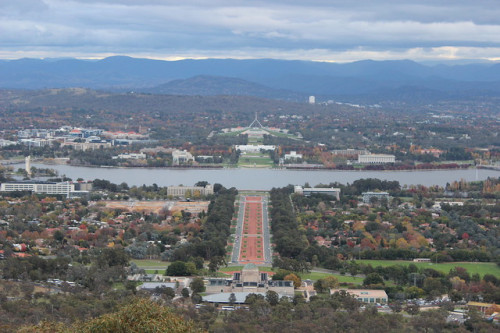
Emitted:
<point x="239" y="232"/>
<point x="239" y="228"/>
<point x="266" y="230"/>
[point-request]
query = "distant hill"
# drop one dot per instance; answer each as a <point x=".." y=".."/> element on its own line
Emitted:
<point x="282" y="79"/>
<point x="206" y="85"/>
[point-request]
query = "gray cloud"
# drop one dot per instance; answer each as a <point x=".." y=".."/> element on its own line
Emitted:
<point x="418" y="29"/>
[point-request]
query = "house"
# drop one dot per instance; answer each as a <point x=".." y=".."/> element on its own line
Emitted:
<point x="484" y="308"/>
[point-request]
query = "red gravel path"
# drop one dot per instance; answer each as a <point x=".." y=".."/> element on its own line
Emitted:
<point x="252" y="240"/>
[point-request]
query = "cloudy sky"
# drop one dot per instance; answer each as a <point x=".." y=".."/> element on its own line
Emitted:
<point x="323" y="30"/>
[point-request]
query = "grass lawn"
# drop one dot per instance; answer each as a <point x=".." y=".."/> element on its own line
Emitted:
<point x="342" y="278"/>
<point x="144" y="263"/>
<point x="304" y="276"/>
<point x="152" y="271"/>
<point x="283" y="135"/>
<point x="480" y="268"/>
<point x="235" y="133"/>
<point x="255" y="159"/>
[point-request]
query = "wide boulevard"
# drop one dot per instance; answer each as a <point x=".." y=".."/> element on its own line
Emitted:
<point x="252" y="241"/>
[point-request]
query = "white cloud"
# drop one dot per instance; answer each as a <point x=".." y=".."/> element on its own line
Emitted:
<point x="196" y="28"/>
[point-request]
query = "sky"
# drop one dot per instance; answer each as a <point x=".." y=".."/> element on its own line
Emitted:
<point x="318" y="30"/>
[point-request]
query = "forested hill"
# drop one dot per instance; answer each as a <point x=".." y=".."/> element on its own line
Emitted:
<point x="371" y="80"/>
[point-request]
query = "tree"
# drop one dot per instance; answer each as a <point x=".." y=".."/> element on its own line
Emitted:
<point x="196" y="298"/>
<point x="396" y="307"/>
<point x="140" y="315"/>
<point x="232" y="299"/>
<point x="272" y="297"/>
<point x="297" y="281"/>
<point x="197" y="285"/>
<point x="252" y="298"/>
<point x="177" y="268"/>
<point x="166" y="291"/>
<point x="215" y="263"/>
<point x="412" y="309"/>
<point x="373" y="278"/>
<point x="185" y="292"/>
<point x="325" y="284"/>
<point x="58" y="236"/>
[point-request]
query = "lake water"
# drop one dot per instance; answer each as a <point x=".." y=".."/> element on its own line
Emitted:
<point x="263" y="179"/>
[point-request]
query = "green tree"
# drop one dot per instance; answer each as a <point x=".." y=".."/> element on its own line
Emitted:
<point x="325" y="284"/>
<point x="373" y="278"/>
<point x="139" y="316"/>
<point x="272" y="297"/>
<point x="177" y="268"/>
<point x="412" y="309"/>
<point x="232" y="299"/>
<point x="197" y="285"/>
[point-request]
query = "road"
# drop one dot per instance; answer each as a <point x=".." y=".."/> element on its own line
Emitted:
<point x="239" y="233"/>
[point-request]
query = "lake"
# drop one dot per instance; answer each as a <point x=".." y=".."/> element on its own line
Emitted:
<point x="263" y="179"/>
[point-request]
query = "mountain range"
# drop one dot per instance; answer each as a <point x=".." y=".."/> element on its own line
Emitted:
<point x="269" y="78"/>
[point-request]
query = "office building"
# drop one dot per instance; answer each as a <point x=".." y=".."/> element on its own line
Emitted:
<point x="376" y="159"/>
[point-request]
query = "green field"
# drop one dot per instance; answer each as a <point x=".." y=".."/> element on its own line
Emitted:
<point x="282" y="135"/>
<point x="342" y="278"/>
<point x="480" y="268"/>
<point x="145" y="263"/>
<point x="255" y="160"/>
<point x="304" y="276"/>
<point x="235" y="133"/>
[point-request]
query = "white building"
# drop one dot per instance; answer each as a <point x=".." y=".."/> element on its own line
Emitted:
<point x="66" y="188"/>
<point x="36" y="142"/>
<point x="181" y="157"/>
<point x="293" y="156"/>
<point x="254" y="148"/>
<point x="350" y="152"/>
<point x="312" y="100"/>
<point x="180" y="191"/>
<point x="376" y="159"/>
<point x="367" y="196"/>
<point x="131" y="156"/>
<point x="370" y="296"/>
<point x="307" y="191"/>
<point x="39" y="187"/>
<point x="5" y="143"/>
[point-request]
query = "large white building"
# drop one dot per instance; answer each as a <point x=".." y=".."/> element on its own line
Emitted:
<point x="180" y="191"/>
<point x="249" y="280"/>
<point x="350" y="152"/>
<point x="254" y="148"/>
<point x="293" y="156"/>
<point x="65" y="188"/>
<point x="181" y="156"/>
<point x="376" y="159"/>
<point x="130" y="156"/>
<point x="307" y="191"/>
<point x="39" y="187"/>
